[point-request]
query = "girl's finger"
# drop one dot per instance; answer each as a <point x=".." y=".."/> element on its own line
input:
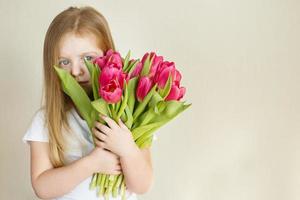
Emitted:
<point x="122" y="125"/>
<point x="100" y="135"/>
<point x="100" y="144"/>
<point x="102" y="128"/>
<point x="111" y="123"/>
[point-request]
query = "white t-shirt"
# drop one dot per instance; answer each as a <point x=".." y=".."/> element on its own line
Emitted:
<point x="79" y="144"/>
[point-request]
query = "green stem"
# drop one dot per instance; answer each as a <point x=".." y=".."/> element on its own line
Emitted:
<point x="93" y="182"/>
<point x="102" y="185"/>
<point x="115" y="187"/>
<point x="100" y="177"/>
<point x="111" y="183"/>
<point x="123" y="189"/>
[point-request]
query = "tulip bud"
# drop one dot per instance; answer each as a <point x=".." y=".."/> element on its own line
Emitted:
<point x="144" y="86"/>
<point x="110" y="59"/>
<point x="111" y="83"/>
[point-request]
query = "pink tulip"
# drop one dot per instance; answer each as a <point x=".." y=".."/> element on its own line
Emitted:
<point x="162" y="74"/>
<point x="177" y="78"/>
<point x="163" y="71"/>
<point x="137" y="70"/>
<point x="111" y="82"/>
<point x="110" y="59"/>
<point x="126" y="77"/>
<point x="156" y="60"/>
<point x="176" y="93"/>
<point x="144" y="86"/>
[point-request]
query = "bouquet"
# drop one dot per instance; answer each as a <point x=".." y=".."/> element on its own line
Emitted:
<point x="145" y="94"/>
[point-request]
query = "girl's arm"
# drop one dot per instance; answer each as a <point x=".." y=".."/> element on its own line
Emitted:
<point x="137" y="169"/>
<point x="49" y="182"/>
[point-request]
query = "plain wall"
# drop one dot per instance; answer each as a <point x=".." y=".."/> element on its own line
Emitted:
<point x="240" y="63"/>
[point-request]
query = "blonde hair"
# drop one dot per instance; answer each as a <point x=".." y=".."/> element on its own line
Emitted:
<point x="84" y="20"/>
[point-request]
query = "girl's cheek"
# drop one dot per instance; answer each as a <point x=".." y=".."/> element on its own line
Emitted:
<point x="67" y="68"/>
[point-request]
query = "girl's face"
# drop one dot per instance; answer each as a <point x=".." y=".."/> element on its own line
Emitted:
<point x="73" y="49"/>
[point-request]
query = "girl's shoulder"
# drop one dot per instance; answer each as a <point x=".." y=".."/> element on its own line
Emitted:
<point x="36" y="130"/>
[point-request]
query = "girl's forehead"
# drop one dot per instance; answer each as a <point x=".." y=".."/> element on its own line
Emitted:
<point x="74" y="45"/>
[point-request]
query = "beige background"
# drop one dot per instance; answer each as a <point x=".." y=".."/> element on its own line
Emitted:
<point x="240" y="62"/>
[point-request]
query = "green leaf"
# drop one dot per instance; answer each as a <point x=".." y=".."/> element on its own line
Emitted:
<point x="116" y="106"/>
<point x="174" y="107"/>
<point x="72" y="88"/>
<point x="124" y="117"/>
<point x="132" y="66"/>
<point x="147" y="143"/>
<point x="101" y="106"/>
<point x="129" y="120"/>
<point x="112" y="108"/>
<point x="155" y="99"/>
<point x="146" y="117"/>
<point x="124" y="101"/>
<point x="147" y="65"/>
<point x="90" y="66"/>
<point x="139" y="131"/>
<point x="126" y="61"/>
<point x="132" y="84"/>
<point x="169" y="110"/>
<point x="145" y="137"/>
<point x="166" y="90"/>
<point x="143" y="134"/>
<point x="141" y="107"/>
<point x="94" y="74"/>
<point x="96" y="85"/>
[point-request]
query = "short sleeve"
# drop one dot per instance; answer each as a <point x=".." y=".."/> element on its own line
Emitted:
<point x="37" y="130"/>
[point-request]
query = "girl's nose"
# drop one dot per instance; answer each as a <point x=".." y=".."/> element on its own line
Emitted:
<point x="77" y="69"/>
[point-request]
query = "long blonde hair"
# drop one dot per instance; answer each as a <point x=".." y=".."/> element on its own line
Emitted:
<point x="84" y="20"/>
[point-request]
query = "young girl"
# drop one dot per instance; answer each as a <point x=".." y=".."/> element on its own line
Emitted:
<point x="63" y="157"/>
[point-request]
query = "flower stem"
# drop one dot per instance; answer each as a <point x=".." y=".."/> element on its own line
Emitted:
<point x="93" y="182"/>
<point x="117" y="185"/>
<point x="123" y="189"/>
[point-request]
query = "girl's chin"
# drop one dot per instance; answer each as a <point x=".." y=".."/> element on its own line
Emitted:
<point x="84" y="83"/>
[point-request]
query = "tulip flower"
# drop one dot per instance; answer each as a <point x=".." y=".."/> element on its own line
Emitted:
<point x="177" y="77"/>
<point x="163" y="71"/>
<point x="136" y="72"/>
<point x="110" y="59"/>
<point x="176" y="93"/>
<point x="144" y="86"/>
<point x="111" y="83"/>
<point x="156" y="60"/>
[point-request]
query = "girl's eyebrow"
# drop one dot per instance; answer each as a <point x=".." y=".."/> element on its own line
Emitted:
<point x="92" y="52"/>
<point x="62" y="57"/>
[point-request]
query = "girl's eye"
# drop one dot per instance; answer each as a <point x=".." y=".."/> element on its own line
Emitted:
<point x="64" y="62"/>
<point x="89" y="58"/>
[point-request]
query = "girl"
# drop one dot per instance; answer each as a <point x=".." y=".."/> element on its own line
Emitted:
<point x="63" y="158"/>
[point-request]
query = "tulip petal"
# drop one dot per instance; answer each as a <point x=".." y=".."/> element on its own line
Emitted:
<point x="143" y="88"/>
<point x="182" y="92"/>
<point x="174" y="93"/>
<point x="111" y="96"/>
<point x="164" y="75"/>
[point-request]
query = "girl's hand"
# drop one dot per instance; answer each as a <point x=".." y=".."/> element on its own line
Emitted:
<point x="104" y="161"/>
<point x="114" y="137"/>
